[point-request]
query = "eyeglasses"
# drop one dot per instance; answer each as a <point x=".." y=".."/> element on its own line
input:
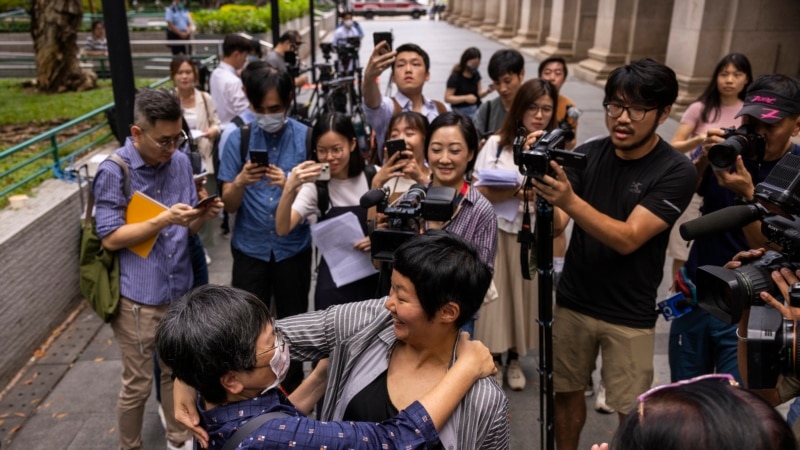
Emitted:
<point x="543" y="109"/>
<point x="635" y="113"/>
<point x="280" y="342"/>
<point x="723" y="377"/>
<point x="335" y="152"/>
<point x="169" y="144"/>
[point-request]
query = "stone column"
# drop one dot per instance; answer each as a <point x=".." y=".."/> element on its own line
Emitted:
<point x="466" y="12"/>
<point x="478" y="14"/>
<point x="610" y="40"/>
<point x="572" y="25"/>
<point x="534" y="23"/>
<point x="508" y="20"/>
<point x="491" y="14"/>
<point x="454" y="8"/>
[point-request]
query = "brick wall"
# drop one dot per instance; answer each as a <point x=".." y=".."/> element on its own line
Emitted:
<point x="38" y="271"/>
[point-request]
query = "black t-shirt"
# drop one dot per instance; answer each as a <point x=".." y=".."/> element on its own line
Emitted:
<point x="599" y="282"/>
<point x="464" y="86"/>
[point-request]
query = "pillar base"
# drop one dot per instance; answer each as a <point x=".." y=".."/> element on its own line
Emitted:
<point x="526" y="39"/>
<point x="599" y="64"/>
<point x="487" y="28"/>
<point x="504" y="32"/>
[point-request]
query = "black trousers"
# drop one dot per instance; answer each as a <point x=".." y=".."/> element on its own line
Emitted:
<point x="288" y="281"/>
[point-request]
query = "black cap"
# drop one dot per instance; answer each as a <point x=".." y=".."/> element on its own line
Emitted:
<point x="768" y="107"/>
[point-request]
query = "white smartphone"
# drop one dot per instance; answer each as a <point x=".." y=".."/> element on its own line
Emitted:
<point x="325" y="172"/>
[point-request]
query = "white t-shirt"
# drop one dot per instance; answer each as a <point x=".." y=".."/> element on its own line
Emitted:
<point x="345" y="192"/>
<point x="488" y="158"/>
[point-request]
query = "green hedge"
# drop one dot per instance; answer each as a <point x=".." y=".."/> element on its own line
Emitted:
<point x="246" y="19"/>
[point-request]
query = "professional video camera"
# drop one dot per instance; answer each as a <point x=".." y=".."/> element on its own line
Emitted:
<point x="573" y="113"/>
<point x="436" y="203"/>
<point x="535" y="162"/>
<point x="738" y="141"/>
<point x="292" y="65"/>
<point x="772" y="342"/>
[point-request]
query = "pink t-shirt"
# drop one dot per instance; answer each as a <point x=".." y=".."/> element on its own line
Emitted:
<point x="692" y="116"/>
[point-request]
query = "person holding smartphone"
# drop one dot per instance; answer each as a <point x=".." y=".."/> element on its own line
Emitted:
<point x="304" y="195"/>
<point x="404" y="166"/>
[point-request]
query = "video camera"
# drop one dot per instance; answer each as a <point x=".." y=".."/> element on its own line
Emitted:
<point x="535" y="161"/>
<point x="738" y="141"/>
<point x="573" y="113"/>
<point x="772" y="341"/>
<point x="436" y="203"/>
<point x="292" y="65"/>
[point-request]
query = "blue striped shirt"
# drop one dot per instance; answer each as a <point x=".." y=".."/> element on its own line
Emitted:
<point x="166" y="273"/>
<point x="254" y="232"/>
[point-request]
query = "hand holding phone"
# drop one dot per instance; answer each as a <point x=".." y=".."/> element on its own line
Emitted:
<point x="395" y="145"/>
<point x="260" y="157"/>
<point x="206" y="201"/>
<point x="381" y="36"/>
<point x="325" y="172"/>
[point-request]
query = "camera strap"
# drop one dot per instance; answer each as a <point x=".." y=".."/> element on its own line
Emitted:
<point x="525" y="236"/>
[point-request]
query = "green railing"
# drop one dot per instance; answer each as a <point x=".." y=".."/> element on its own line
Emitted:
<point x="36" y="157"/>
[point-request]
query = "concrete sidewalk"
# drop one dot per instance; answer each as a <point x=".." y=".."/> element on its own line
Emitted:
<point x="66" y="397"/>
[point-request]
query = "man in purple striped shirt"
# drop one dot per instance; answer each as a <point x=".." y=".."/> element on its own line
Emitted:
<point x="148" y="285"/>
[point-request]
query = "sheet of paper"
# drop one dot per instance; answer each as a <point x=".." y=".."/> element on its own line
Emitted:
<point x="197" y="133"/>
<point x="499" y="178"/>
<point x="335" y="238"/>
<point x="507" y="209"/>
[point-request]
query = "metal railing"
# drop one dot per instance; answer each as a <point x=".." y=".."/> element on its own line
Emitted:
<point x="58" y="154"/>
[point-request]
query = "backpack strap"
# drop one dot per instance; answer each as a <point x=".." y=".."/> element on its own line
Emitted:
<point x="309" y="146"/>
<point x="244" y="145"/>
<point x="250" y="427"/>
<point x="323" y="197"/>
<point x="126" y="186"/>
<point x="397" y="107"/>
<point x="369" y="172"/>
<point x="440" y="107"/>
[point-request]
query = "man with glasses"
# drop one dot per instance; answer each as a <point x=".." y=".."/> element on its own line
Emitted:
<point x="148" y="285"/>
<point x="264" y="263"/>
<point x="288" y="43"/>
<point x="634" y="187"/>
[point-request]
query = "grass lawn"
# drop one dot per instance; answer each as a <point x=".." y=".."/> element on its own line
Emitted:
<point x="26" y="105"/>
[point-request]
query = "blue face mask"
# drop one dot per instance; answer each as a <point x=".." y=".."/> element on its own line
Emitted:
<point x="271" y="123"/>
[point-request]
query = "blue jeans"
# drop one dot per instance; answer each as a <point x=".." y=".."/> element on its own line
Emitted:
<point x="794" y="412"/>
<point x="469" y="110"/>
<point x="700" y="344"/>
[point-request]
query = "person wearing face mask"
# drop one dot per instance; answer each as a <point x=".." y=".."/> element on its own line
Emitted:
<point x="264" y="263"/>
<point x="464" y="91"/>
<point x="179" y="26"/>
<point x="238" y="358"/>
<point x="348" y="28"/>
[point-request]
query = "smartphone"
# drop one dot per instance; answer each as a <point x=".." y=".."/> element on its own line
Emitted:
<point x="206" y="201"/>
<point x="380" y="36"/>
<point x="201" y="175"/>
<point x="259" y="157"/>
<point x="396" y="145"/>
<point x="325" y="172"/>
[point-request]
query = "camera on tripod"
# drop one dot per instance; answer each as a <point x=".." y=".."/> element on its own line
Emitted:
<point x="436" y="203"/>
<point x="535" y="161"/>
<point x="738" y="141"/>
<point x="772" y="341"/>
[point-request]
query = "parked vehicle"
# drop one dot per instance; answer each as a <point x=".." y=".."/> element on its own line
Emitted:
<point x="372" y="8"/>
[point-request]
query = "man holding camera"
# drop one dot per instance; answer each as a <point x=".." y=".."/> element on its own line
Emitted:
<point x="700" y="343"/>
<point x="623" y="203"/>
<point x="285" y="53"/>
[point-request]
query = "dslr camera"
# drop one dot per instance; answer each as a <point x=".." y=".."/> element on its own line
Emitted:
<point x="772" y="341"/>
<point x="534" y="162"/>
<point x="738" y="141"/>
<point x="403" y="215"/>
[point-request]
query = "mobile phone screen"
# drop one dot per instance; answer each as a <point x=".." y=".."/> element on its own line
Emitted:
<point x="395" y="145"/>
<point x="259" y="157"/>
<point x="379" y="36"/>
<point x="206" y="201"/>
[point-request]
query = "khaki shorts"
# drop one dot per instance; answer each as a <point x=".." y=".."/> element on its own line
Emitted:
<point x="627" y="361"/>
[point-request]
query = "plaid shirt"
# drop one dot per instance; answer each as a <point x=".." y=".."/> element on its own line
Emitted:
<point x="477" y="223"/>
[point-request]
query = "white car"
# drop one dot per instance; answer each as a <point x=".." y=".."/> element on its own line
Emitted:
<point x="372" y="8"/>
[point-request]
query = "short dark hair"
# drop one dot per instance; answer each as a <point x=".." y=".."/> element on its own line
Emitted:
<point x="264" y="78"/>
<point x="704" y="414"/>
<point x="414" y="119"/>
<point x="343" y="125"/>
<point x="444" y="267"/>
<point x="528" y="93"/>
<point x="209" y="332"/>
<point x="505" y="61"/>
<point x="292" y="36"/>
<point x="96" y="23"/>
<point x="644" y="82"/>
<point x="464" y="124"/>
<point x="552" y="59"/>
<point x="414" y="48"/>
<point x="235" y="43"/>
<point x="152" y="105"/>
<point x="782" y="85"/>
<point x="177" y="62"/>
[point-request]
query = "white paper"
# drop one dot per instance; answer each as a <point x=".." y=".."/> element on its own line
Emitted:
<point x="507" y="209"/>
<point x="98" y="158"/>
<point x="498" y="178"/>
<point x="335" y="238"/>
<point x="197" y="133"/>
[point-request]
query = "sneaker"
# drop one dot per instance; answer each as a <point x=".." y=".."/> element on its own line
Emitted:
<point x="499" y="375"/>
<point x="188" y="445"/>
<point x="208" y="258"/>
<point x="600" y="402"/>
<point x="161" y="416"/>
<point x="516" y="379"/>
<point x="589" y="388"/>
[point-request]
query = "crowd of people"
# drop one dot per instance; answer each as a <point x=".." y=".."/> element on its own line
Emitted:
<point x="392" y="366"/>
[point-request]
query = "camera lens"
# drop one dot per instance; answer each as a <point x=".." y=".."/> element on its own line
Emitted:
<point x="723" y="155"/>
<point x="790" y="348"/>
<point x="726" y="293"/>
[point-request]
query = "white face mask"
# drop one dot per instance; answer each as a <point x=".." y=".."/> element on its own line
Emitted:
<point x="271" y="123"/>
<point x="348" y="23"/>
<point x="279" y="365"/>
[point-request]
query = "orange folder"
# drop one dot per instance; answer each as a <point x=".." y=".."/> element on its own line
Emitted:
<point x="140" y="209"/>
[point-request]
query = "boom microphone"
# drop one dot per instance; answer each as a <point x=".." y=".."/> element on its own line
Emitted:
<point x="372" y="197"/>
<point x="726" y="219"/>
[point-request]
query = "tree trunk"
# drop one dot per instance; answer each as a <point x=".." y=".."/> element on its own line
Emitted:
<point x="54" y="28"/>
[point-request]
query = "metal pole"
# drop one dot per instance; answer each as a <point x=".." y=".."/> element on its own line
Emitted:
<point x="276" y="22"/>
<point x="119" y="58"/>
<point x="313" y="41"/>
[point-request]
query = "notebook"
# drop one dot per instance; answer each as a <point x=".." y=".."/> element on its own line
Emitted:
<point x="142" y="208"/>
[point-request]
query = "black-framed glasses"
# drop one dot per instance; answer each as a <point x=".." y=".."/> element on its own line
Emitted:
<point x="635" y="113"/>
<point x="280" y="342"/>
<point x="169" y="144"/>
<point x="722" y="377"/>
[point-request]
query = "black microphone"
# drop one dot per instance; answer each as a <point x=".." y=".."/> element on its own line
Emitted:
<point x="373" y="197"/>
<point x="726" y="219"/>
